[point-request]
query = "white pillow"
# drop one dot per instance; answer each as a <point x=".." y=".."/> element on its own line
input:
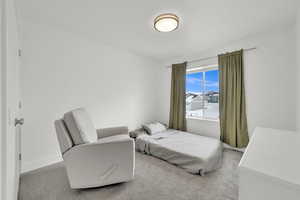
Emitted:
<point x="153" y="128"/>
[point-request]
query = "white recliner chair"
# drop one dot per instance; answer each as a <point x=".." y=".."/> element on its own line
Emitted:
<point x="93" y="157"/>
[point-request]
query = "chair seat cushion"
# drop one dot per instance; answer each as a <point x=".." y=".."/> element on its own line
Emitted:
<point x="80" y="126"/>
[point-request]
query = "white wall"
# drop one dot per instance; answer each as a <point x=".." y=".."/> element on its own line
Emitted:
<point x="62" y="71"/>
<point x="298" y="66"/>
<point x="1" y="92"/>
<point x="270" y="81"/>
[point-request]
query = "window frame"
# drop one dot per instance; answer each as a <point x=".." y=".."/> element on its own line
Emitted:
<point x="203" y="68"/>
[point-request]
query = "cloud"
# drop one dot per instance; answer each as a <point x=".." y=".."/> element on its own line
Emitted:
<point x="193" y="80"/>
<point x="196" y="81"/>
<point x="212" y="84"/>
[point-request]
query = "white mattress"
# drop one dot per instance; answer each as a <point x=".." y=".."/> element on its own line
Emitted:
<point x="194" y="153"/>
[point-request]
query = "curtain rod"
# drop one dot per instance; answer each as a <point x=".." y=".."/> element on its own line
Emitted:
<point x="211" y="57"/>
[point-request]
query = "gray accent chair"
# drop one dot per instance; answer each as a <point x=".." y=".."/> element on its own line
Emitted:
<point x="96" y="157"/>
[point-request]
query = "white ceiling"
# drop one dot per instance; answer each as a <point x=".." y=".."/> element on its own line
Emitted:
<point x="129" y="24"/>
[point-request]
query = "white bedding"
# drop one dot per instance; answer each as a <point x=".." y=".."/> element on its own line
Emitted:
<point x="196" y="154"/>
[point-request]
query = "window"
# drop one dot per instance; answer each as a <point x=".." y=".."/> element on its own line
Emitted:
<point x="202" y="93"/>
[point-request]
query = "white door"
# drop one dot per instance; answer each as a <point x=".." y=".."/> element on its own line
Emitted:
<point x="10" y="98"/>
<point x="13" y="128"/>
<point x="18" y="122"/>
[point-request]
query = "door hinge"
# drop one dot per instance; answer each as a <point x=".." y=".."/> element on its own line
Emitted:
<point x="19" y="52"/>
<point x="20" y="156"/>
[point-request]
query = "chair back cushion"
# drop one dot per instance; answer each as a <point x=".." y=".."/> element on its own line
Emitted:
<point x="63" y="136"/>
<point x="80" y="126"/>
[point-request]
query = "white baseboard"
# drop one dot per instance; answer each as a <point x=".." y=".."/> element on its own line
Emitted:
<point x="42" y="162"/>
<point x="234" y="148"/>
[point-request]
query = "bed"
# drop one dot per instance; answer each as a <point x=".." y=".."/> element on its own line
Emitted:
<point x="194" y="153"/>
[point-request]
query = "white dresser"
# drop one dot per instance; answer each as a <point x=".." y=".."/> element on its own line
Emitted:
<point x="270" y="166"/>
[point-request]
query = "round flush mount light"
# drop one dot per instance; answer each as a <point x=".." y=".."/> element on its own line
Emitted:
<point x="166" y="22"/>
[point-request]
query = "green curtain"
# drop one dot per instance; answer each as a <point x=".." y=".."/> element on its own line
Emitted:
<point x="177" y="105"/>
<point x="233" y="120"/>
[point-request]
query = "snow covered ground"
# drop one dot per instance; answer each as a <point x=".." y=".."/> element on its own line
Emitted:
<point x="211" y="111"/>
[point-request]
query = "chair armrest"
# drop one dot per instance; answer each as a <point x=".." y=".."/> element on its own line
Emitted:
<point x="108" y="142"/>
<point x="107" y="132"/>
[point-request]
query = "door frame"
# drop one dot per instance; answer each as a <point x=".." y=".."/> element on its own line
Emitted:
<point x="6" y="7"/>
<point x="2" y="100"/>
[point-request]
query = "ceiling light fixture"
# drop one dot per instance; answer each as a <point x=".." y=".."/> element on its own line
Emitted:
<point x="166" y="22"/>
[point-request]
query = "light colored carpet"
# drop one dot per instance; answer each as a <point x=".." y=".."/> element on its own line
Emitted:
<point x="154" y="179"/>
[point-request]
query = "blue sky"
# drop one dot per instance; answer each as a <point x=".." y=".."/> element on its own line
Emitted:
<point x="194" y="81"/>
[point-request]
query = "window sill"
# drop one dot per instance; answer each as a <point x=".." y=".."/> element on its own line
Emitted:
<point x="203" y="119"/>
